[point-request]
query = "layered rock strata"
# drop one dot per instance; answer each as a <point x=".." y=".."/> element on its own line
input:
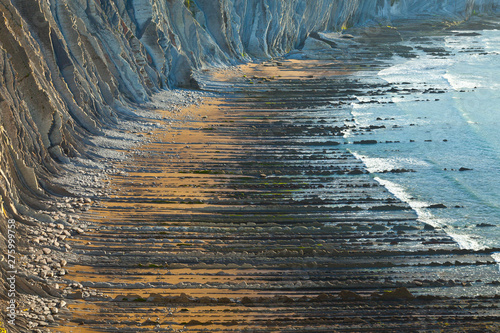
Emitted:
<point x="72" y="69"/>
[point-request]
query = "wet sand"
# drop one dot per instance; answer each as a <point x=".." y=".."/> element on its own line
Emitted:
<point x="251" y="215"/>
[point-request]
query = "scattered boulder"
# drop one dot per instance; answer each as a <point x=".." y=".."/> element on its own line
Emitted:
<point x="428" y="227"/>
<point x="397" y="294"/>
<point x="366" y="142"/>
<point x="76" y="295"/>
<point x="437" y="206"/>
<point x="485" y="225"/>
<point x="347" y="295"/>
<point x="401" y="293"/>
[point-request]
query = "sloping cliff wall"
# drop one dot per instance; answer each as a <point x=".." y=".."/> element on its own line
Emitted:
<point x="71" y="68"/>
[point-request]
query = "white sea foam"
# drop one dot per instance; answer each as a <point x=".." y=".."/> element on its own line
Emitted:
<point x="378" y="164"/>
<point x="496" y="256"/>
<point x="463" y="240"/>
<point x="460" y="82"/>
<point x="458" y="128"/>
<point x="400" y="193"/>
<point x="419" y="70"/>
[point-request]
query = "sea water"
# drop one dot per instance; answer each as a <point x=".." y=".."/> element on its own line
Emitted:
<point x="437" y="134"/>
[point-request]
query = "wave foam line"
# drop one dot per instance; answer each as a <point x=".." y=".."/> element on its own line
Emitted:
<point x="464" y="241"/>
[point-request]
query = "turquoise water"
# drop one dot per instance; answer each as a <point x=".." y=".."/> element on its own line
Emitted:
<point x="436" y="134"/>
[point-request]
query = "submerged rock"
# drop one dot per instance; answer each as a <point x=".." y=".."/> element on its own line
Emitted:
<point x="434" y="206"/>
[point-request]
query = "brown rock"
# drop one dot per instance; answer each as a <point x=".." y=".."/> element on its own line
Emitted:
<point x="347" y="295"/>
<point x="76" y="295"/>
<point x="398" y="294"/>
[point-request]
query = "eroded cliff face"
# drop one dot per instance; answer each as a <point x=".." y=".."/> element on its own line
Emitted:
<point x="71" y="68"/>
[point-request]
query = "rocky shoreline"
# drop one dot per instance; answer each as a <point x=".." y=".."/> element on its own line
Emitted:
<point x="45" y="245"/>
<point x="216" y="207"/>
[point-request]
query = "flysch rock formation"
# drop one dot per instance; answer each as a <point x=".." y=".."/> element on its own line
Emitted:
<point x="71" y="69"/>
